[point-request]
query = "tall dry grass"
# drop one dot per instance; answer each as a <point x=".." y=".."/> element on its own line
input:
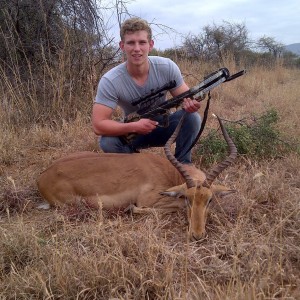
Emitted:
<point x="253" y="245"/>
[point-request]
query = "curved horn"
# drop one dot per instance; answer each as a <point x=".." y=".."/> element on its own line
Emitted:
<point x="215" y="171"/>
<point x="188" y="179"/>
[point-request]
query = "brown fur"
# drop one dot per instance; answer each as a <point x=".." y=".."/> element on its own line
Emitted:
<point x="139" y="181"/>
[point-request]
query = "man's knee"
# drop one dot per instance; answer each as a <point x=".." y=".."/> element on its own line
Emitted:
<point x="192" y="122"/>
<point x="111" y="144"/>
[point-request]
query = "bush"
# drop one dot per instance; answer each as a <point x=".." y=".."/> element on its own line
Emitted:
<point x="257" y="139"/>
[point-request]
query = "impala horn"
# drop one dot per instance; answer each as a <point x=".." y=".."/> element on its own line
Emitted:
<point x="214" y="172"/>
<point x="188" y="179"/>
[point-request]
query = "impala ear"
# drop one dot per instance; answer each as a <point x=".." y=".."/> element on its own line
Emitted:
<point x="221" y="190"/>
<point x="175" y="191"/>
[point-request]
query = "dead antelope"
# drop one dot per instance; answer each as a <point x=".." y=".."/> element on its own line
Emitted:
<point x="141" y="181"/>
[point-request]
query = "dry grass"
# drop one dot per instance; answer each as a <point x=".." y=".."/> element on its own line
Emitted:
<point x="253" y="245"/>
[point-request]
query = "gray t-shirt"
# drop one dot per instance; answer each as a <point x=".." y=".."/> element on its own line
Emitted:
<point x="117" y="88"/>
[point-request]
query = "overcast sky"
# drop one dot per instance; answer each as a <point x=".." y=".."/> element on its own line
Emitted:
<point x="279" y="19"/>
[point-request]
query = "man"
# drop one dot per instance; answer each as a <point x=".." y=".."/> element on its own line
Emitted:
<point x="137" y="76"/>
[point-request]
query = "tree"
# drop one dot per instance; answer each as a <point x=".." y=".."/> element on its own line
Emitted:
<point x="53" y="52"/>
<point x="32" y="31"/>
<point x="217" y="40"/>
<point x="271" y="45"/>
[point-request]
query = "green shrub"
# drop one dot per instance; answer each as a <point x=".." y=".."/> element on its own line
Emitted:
<point x="256" y="138"/>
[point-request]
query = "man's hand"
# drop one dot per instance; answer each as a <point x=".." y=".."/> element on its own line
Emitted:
<point x="145" y="126"/>
<point x="190" y="105"/>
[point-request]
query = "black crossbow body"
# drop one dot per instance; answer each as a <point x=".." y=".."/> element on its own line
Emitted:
<point x="149" y="110"/>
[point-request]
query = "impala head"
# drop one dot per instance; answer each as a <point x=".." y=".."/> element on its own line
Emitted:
<point x="198" y="195"/>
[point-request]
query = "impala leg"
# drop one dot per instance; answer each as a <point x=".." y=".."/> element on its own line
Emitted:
<point x="133" y="209"/>
<point x="146" y="210"/>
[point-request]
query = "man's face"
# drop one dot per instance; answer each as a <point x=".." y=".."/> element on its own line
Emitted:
<point x="136" y="47"/>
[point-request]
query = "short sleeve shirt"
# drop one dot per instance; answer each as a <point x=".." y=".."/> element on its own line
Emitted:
<point x="117" y="88"/>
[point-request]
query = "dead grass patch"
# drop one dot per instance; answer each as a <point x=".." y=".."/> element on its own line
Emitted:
<point x="253" y="244"/>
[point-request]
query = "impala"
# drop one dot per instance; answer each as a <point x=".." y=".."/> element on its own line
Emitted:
<point x="140" y="181"/>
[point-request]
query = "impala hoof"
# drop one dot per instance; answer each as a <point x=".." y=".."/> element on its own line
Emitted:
<point x="44" y="206"/>
<point x="129" y="209"/>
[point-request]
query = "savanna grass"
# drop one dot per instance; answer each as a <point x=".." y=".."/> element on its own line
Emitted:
<point x="253" y="245"/>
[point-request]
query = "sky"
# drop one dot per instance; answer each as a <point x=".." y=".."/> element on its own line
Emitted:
<point x="272" y="18"/>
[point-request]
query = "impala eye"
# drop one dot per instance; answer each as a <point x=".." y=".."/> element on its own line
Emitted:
<point x="209" y="201"/>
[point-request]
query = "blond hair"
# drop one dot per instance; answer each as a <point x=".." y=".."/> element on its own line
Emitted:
<point x="133" y="25"/>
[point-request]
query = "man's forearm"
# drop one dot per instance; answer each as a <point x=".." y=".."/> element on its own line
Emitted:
<point x="113" y="128"/>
